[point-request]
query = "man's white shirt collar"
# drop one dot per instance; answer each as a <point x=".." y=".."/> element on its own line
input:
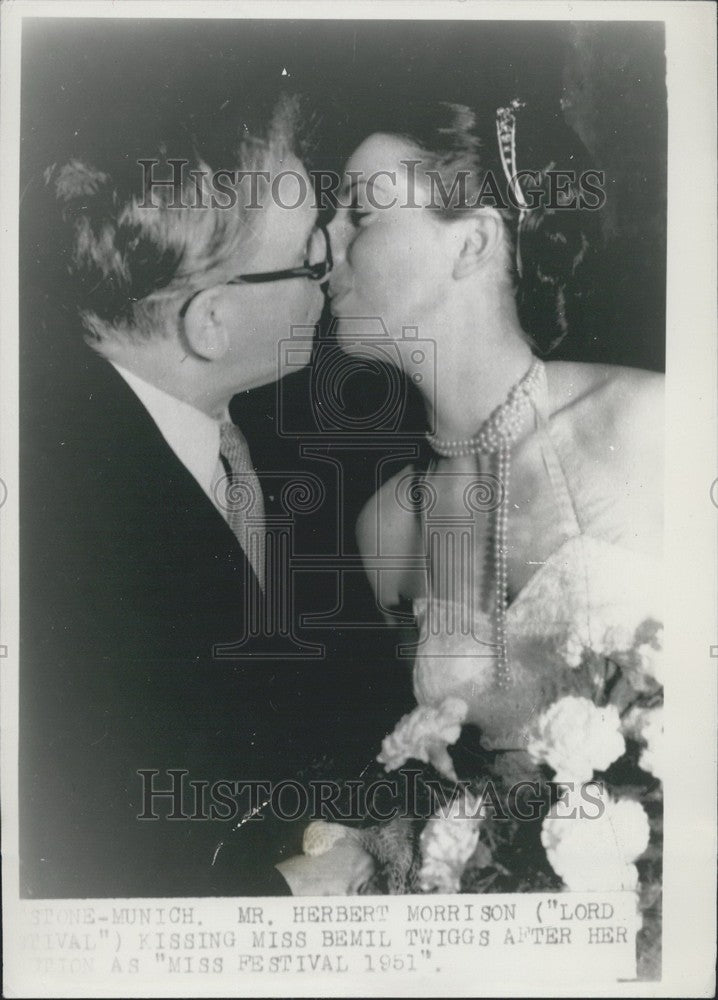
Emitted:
<point x="191" y="434"/>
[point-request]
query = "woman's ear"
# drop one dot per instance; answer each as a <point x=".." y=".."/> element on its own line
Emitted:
<point x="482" y="236"/>
<point x="204" y="327"/>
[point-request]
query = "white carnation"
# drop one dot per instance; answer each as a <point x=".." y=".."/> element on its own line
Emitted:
<point x="633" y="721"/>
<point x="643" y="661"/>
<point x="595" y="637"/>
<point x="646" y="724"/>
<point x="576" y="738"/>
<point x="597" y="854"/>
<point x="572" y="649"/>
<point x="424" y="734"/>
<point x="616" y="640"/>
<point x="447" y="842"/>
<point x="644" y="667"/>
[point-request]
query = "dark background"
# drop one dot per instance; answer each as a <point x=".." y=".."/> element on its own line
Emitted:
<point x="94" y="83"/>
<point x="91" y="81"/>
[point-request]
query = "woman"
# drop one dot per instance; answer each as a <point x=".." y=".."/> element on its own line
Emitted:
<point x="527" y="540"/>
<point x="582" y="442"/>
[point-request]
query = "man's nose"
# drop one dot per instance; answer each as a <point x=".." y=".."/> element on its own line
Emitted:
<point x="340" y="229"/>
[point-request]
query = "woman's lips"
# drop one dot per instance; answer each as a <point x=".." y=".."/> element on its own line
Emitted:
<point x="336" y="288"/>
<point x="335" y="296"/>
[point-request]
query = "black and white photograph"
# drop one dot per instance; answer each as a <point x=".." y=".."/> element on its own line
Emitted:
<point x="361" y="368"/>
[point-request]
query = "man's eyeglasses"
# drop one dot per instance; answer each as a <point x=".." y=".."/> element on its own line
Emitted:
<point x="314" y="272"/>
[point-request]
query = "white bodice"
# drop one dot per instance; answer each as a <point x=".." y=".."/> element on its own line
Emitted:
<point x="588" y="595"/>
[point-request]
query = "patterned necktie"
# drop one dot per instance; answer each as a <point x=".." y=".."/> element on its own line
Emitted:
<point x="242" y="501"/>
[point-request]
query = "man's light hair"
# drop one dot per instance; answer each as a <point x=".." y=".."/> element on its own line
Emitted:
<point x="134" y="260"/>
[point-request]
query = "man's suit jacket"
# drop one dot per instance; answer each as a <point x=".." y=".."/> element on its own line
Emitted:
<point x="129" y="577"/>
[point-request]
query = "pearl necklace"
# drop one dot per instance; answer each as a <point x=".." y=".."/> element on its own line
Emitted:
<point x="495" y="437"/>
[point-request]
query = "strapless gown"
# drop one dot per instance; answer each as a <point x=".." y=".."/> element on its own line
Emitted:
<point x="589" y="596"/>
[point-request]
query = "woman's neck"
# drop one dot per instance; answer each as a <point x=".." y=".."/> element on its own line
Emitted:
<point x="477" y="364"/>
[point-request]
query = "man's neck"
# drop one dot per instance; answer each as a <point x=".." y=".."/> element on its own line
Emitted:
<point x="165" y="365"/>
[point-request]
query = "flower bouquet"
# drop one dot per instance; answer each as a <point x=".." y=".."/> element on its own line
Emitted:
<point x="578" y="808"/>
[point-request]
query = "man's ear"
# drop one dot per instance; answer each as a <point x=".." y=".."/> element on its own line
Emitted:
<point x="482" y="236"/>
<point x="204" y="327"/>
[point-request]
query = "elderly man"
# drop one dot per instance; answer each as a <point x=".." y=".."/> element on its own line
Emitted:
<point x="135" y="564"/>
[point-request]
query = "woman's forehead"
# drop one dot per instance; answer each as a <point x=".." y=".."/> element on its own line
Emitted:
<point x="380" y="151"/>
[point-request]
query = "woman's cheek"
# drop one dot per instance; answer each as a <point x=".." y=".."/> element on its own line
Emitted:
<point x="378" y="293"/>
<point x="376" y="280"/>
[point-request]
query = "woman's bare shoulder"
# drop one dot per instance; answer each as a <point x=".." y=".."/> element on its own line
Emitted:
<point x="610" y="403"/>
<point x="387" y="527"/>
<point x="573" y="382"/>
<point x="383" y="519"/>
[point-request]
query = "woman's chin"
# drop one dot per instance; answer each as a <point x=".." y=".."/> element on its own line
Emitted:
<point x="338" y="313"/>
<point x="349" y="344"/>
<point x="350" y="327"/>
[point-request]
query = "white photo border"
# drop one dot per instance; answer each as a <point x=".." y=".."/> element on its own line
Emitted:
<point x="689" y="925"/>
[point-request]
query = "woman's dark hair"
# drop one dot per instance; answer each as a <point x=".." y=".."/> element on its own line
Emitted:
<point x="555" y="239"/>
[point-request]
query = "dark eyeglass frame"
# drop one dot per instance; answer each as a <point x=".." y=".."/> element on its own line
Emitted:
<point x="314" y="272"/>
